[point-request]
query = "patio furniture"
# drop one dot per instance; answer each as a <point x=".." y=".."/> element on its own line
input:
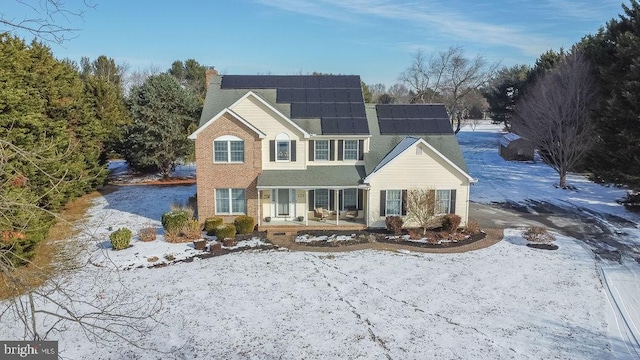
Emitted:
<point x="319" y="213"/>
<point x="351" y="214"/>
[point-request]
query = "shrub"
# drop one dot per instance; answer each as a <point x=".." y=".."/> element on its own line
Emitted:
<point x="416" y="234"/>
<point x="472" y="228"/>
<point x="226" y="231"/>
<point x="451" y="222"/>
<point x="394" y="224"/>
<point x="244" y="224"/>
<point x="176" y="219"/>
<point x="192" y="230"/>
<point x="211" y="223"/>
<point x="538" y="234"/>
<point x="632" y="201"/>
<point x="121" y="238"/>
<point x="147" y="234"/>
<point x="17" y="248"/>
<point x="172" y="237"/>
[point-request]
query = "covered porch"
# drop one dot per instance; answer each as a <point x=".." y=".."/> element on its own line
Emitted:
<point x="322" y="196"/>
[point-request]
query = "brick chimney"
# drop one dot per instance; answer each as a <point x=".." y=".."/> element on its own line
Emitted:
<point x="209" y="73"/>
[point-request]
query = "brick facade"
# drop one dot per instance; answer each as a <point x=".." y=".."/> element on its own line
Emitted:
<point x="213" y="176"/>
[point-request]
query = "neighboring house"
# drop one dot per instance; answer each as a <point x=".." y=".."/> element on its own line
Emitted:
<point x="298" y="148"/>
<point x="514" y="147"/>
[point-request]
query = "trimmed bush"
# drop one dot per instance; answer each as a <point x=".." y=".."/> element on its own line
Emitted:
<point x="472" y="228"/>
<point x="538" y="234"/>
<point x="451" y="222"/>
<point x="226" y="231"/>
<point x="394" y="224"/>
<point x="192" y="230"/>
<point x="173" y="237"/>
<point x="211" y="223"/>
<point x="121" y="238"/>
<point x="244" y="224"/>
<point x="147" y="234"/>
<point x="176" y="219"/>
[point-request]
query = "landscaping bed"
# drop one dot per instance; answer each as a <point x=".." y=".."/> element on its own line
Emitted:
<point x="335" y="238"/>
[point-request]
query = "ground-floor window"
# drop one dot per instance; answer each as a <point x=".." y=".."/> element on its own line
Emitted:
<point x="321" y="198"/>
<point x="349" y="199"/>
<point x="393" y="204"/>
<point x="443" y="201"/>
<point x="230" y="201"/>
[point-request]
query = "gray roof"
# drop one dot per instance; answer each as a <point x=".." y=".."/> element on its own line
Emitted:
<point x="313" y="176"/>
<point x="383" y="145"/>
<point x="218" y="99"/>
<point x="403" y="145"/>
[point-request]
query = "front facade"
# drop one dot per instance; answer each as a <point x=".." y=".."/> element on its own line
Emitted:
<point x="306" y="148"/>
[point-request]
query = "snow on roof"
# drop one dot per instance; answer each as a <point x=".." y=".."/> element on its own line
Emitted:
<point x="507" y="138"/>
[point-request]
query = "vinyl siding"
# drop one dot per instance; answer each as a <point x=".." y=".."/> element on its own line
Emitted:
<point x="413" y="170"/>
<point x="265" y="119"/>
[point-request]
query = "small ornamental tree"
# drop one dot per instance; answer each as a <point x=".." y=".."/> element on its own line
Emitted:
<point x="421" y="207"/>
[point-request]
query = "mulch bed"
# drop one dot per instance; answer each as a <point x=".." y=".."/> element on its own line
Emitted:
<point x="543" y="246"/>
<point x="376" y="235"/>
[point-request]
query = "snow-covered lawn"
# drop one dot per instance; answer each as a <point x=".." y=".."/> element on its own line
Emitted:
<point x="507" y="301"/>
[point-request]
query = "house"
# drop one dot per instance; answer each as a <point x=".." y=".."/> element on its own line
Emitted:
<point x="307" y="148"/>
<point x="514" y="147"/>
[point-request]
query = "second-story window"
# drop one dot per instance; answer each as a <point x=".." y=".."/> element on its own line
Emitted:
<point x="283" y="147"/>
<point x="351" y="149"/>
<point x="322" y="149"/>
<point x="228" y="149"/>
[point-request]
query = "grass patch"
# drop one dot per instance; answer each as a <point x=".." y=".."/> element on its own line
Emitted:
<point x="42" y="267"/>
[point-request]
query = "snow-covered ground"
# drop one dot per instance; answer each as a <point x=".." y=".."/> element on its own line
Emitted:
<point x="507" y="301"/>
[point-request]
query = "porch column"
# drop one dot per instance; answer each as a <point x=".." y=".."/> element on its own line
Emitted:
<point x="306" y="207"/>
<point x="335" y="196"/>
<point x="259" y="206"/>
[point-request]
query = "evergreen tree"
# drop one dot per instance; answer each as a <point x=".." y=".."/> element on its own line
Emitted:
<point x="191" y="75"/>
<point x="504" y="90"/>
<point x="615" y="51"/>
<point x="164" y="113"/>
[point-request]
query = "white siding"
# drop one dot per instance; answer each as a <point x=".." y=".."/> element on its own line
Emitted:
<point x="265" y="119"/>
<point x="418" y="170"/>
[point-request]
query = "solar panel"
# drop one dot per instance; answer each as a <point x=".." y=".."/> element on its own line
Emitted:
<point x="313" y="95"/>
<point x="325" y="82"/>
<point x="361" y="126"/>
<point x="284" y="95"/>
<point x="329" y="126"/>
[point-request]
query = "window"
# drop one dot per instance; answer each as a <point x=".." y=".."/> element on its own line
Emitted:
<point x="349" y="199"/>
<point x="322" y="149"/>
<point x="230" y="201"/>
<point x="443" y="201"/>
<point x="351" y="149"/>
<point x="283" y="147"/>
<point x="322" y="198"/>
<point x="393" y="203"/>
<point x="228" y="149"/>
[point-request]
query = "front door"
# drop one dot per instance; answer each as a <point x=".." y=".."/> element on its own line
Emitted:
<point x="282" y="205"/>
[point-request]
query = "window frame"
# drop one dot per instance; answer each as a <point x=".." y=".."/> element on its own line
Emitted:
<point x="315" y="150"/>
<point x="228" y="140"/>
<point x="356" y="149"/>
<point x="344" y="198"/>
<point x="315" y="198"/>
<point x="231" y="202"/>
<point x="443" y="202"/>
<point x="388" y="200"/>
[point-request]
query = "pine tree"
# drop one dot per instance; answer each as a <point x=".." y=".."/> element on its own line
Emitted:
<point x="615" y="51"/>
<point x="164" y="113"/>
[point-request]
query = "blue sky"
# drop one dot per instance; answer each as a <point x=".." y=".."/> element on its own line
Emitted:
<point x="370" y="38"/>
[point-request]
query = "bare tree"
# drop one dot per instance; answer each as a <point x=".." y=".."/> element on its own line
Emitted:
<point x="554" y="114"/>
<point x="43" y="19"/>
<point x="49" y="299"/>
<point x="447" y="76"/>
<point x="421" y="207"/>
<point x="399" y="93"/>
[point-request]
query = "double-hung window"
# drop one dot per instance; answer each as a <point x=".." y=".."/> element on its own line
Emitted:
<point x="351" y="150"/>
<point x="349" y="199"/>
<point x="228" y="149"/>
<point x="393" y="203"/>
<point x="443" y="201"/>
<point x="230" y="201"/>
<point x="321" y="198"/>
<point x="322" y="149"/>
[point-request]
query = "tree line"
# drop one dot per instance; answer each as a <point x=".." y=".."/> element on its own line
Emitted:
<point x="61" y="121"/>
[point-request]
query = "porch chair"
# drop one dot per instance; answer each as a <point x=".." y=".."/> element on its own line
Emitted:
<point x="351" y="214"/>
<point x="319" y="213"/>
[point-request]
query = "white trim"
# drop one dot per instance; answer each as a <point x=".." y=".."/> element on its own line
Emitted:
<point x="344" y="149"/>
<point x="281" y="115"/>
<point x="228" y="139"/>
<point x="260" y="134"/>
<point x="422" y="141"/>
<point x="315" y="150"/>
<point x="283" y="138"/>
